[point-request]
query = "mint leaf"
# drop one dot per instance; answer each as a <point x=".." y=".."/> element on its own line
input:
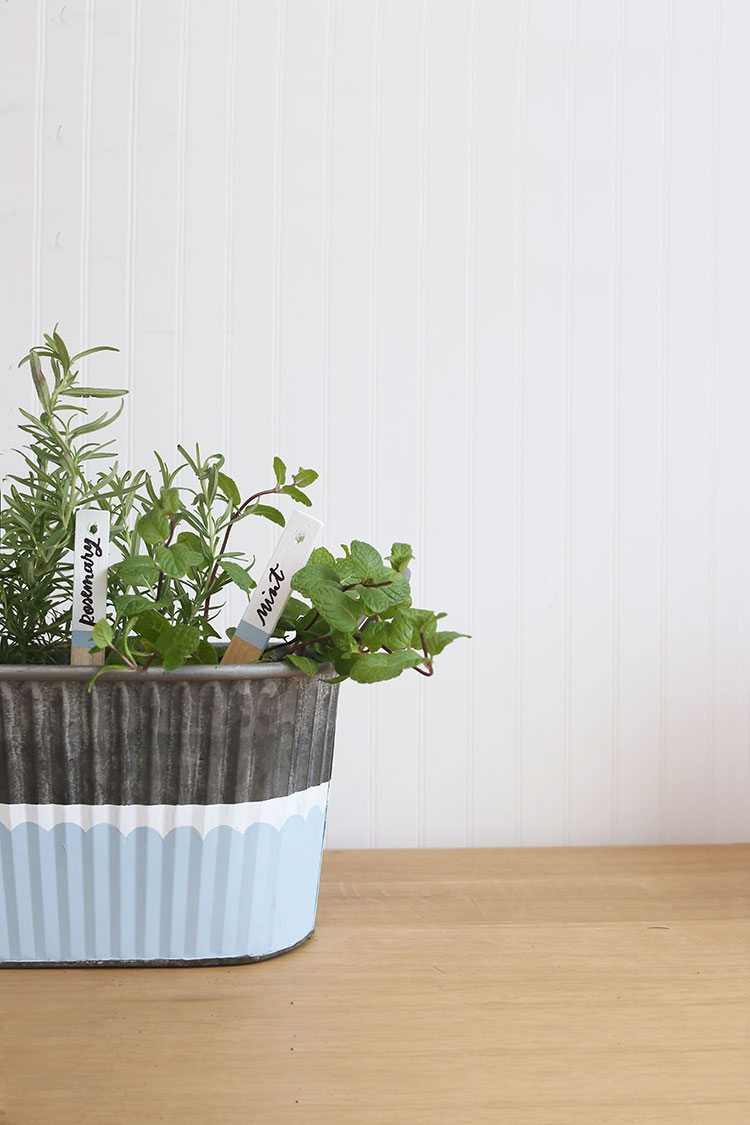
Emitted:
<point x="176" y="643"/>
<point x="399" y="631"/>
<point x="238" y="574"/>
<point x="206" y="653"/>
<point x="300" y="497"/>
<point x="311" y="577"/>
<point x="303" y="478"/>
<point x="441" y="640"/>
<point x="400" y="556"/>
<point x="229" y="489"/>
<point x="279" y="469"/>
<point x="132" y="604"/>
<point x="361" y="564"/>
<point x="150" y="624"/>
<point x="373" y="667"/>
<point x="321" y="556"/>
<point x="341" y="612"/>
<point x="169" y="500"/>
<point x="269" y="513"/>
<point x="304" y="663"/>
<point x="291" y="613"/>
<point x="137" y="570"/>
<point x="102" y="635"/>
<point x="153" y="527"/>
<point x="379" y="599"/>
<point x="190" y="539"/>
<point x="177" y="560"/>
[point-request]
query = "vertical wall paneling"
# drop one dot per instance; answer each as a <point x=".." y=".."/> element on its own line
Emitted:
<point x="470" y="397"/>
<point x="395" y="492"/>
<point x="22" y="49"/>
<point x="348" y="370"/>
<point x="502" y="39"/>
<point x="444" y="484"/>
<point x="639" y="346"/>
<point x="483" y="263"/>
<point x="732" y="170"/>
<point x="592" y="454"/>
<point x="106" y="301"/>
<point x="688" y="798"/>
<point x="542" y="435"/>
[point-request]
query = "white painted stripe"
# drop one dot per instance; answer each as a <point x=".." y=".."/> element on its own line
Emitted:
<point x="163" y="818"/>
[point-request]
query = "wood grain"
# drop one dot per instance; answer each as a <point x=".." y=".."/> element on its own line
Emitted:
<point x="528" y="986"/>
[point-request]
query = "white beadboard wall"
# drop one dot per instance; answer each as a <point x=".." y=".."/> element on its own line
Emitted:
<point x="485" y="264"/>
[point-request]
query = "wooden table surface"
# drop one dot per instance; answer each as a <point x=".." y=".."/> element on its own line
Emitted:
<point x="545" y="986"/>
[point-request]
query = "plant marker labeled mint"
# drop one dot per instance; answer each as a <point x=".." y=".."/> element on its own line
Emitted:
<point x="89" y="582"/>
<point x="273" y="590"/>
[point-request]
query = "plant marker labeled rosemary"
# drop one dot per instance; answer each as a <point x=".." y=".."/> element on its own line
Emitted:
<point x="89" y="582"/>
<point x="273" y="589"/>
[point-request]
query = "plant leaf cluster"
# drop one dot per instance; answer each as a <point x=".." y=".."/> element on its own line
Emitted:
<point x="358" y="616"/>
<point x="172" y="559"/>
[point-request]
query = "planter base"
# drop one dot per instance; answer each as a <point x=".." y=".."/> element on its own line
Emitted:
<point x="159" y="963"/>
<point x="72" y="895"/>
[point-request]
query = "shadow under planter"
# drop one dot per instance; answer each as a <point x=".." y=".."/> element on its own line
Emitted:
<point x="164" y="818"/>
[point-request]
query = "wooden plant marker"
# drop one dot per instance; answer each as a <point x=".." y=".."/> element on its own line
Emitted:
<point x="273" y="590"/>
<point x="91" y="551"/>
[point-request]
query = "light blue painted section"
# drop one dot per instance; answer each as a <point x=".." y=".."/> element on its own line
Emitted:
<point x="81" y="638"/>
<point x="252" y="635"/>
<point x="96" y="895"/>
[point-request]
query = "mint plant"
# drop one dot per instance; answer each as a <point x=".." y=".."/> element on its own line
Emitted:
<point x="170" y="538"/>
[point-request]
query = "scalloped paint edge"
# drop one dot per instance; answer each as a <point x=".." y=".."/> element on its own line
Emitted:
<point x="164" y="818"/>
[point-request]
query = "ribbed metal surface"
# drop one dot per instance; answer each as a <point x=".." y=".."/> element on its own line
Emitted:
<point x="203" y="736"/>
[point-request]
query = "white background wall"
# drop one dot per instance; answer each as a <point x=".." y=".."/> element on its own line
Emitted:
<point x="484" y="263"/>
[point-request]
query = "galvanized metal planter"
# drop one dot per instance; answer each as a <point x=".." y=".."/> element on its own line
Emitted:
<point x="165" y="818"/>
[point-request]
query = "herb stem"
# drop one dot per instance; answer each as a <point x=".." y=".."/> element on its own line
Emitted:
<point x="225" y="541"/>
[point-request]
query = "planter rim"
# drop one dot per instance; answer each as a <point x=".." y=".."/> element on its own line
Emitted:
<point x="67" y="673"/>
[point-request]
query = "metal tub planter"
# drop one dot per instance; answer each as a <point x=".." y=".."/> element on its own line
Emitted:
<point x="163" y="818"/>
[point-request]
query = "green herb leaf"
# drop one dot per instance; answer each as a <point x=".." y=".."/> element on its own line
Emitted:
<point x="303" y="478"/>
<point x="380" y="599"/>
<point x="292" y="611"/>
<point x="150" y="624"/>
<point x="296" y="494"/>
<point x="229" y="489"/>
<point x="400" y="556"/>
<point x="206" y="653"/>
<point x="441" y="640"/>
<point x="91" y="351"/>
<point x="304" y="663"/>
<point x="102" y="635"/>
<point x="238" y="574"/>
<point x="93" y="392"/>
<point x="311" y="577"/>
<point x="40" y="383"/>
<point x="373" y="667"/>
<point x="269" y="513"/>
<point x="169" y="500"/>
<point x="190" y="539"/>
<point x="137" y="570"/>
<point x="176" y="643"/>
<point x="131" y="604"/>
<point x="321" y="556"/>
<point x="177" y="560"/>
<point x="338" y="609"/>
<point x="399" y="631"/>
<point x="279" y="469"/>
<point x="153" y="527"/>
